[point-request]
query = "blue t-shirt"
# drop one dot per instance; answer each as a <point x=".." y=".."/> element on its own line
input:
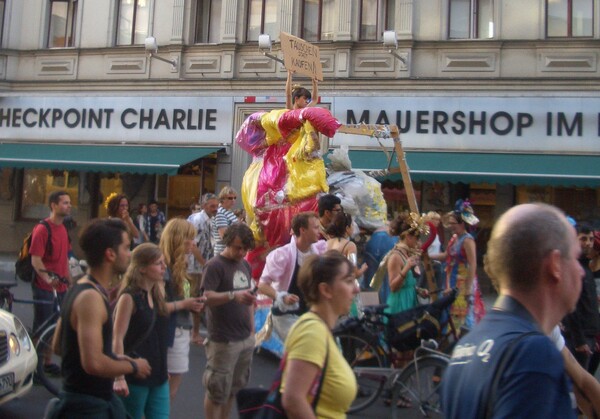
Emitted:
<point x="533" y="385"/>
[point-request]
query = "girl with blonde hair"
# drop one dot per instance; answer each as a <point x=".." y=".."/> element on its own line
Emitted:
<point x="176" y="243"/>
<point x="139" y="330"/>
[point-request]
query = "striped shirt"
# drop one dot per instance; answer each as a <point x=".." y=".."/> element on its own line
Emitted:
<point x="224" y="218"/>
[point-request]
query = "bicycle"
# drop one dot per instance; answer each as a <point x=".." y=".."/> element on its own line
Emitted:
<point x="42" y="335"/>
<point x="373" y="345"/>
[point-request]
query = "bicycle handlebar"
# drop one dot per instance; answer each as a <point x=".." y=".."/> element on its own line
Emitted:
<point x="55" y="276"/>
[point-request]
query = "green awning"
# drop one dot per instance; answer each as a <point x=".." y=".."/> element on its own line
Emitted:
<point x="502" y="168"/>
<point x="100" y="158"/>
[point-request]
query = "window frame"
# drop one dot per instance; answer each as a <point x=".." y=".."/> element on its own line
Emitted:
<point x="134" y="23"/>
<point x="319" y="20"/>
<point x="72" y="6"/>
<point x="380" y="20"/>
<point x="569" y="34"/>
<point x="475" y="8"/>
<point x="2" y="17"/>
<point x="263" y="16"/>
<point x="198" y="39"/>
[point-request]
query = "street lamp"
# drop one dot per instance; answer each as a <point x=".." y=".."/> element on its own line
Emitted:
<point x="265" y="45"/>
<point x="152" y="50"/>
<point x="391" y="42"/>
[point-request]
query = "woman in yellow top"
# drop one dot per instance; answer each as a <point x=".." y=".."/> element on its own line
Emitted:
<point x="329" y="286"/>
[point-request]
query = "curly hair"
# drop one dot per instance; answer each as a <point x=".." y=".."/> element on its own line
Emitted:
<point x="112" y="206"/>
<point x="173" y="245"/>
<point x="143" y="256"/>
<point x="401" y="225"/>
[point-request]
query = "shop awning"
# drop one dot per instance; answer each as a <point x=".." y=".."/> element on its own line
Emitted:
<point x="100" y="158"/>
<point x="502" y="168"/>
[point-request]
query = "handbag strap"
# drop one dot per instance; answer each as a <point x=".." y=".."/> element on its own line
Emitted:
<point x="277" y="381"/>
<point x="321" y="379"/>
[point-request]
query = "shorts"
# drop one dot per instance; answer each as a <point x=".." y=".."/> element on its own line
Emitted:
<point x="178" y="355"/>
<point x="227" y="368"/>
<point x="42" y="311"/>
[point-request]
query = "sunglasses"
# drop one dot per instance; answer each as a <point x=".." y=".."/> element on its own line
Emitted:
<point x="231" y="198"/>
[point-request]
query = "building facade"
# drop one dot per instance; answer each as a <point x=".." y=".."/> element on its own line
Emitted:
<point x="496" y="100"/>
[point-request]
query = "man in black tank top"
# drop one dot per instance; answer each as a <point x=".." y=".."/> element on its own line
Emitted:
<point x="84" y="333"/>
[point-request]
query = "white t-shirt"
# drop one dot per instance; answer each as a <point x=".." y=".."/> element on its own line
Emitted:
<point x="557" y="338"/>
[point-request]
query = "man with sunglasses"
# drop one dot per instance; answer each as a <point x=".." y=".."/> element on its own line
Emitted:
<point x="224" y="218"/>
<point x="329" y="206"/>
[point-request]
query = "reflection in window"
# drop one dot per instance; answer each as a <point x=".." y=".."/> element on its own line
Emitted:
<point x="208" y="21"/>
<point x="262" y="18"/>
<point x="569" y="18"/>
<point x="471" y="19"/>
<point x="38" y="184"/>
<point x="371" y="18"/>
<point x="318" y="20"/>
<point x="132" y="27"/>
<point x="62" y="23"/>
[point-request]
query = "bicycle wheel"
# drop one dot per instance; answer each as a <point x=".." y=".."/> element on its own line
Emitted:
<point x="361" y="355"/>
<point x="50" y="377"/>
<point x="417" y="388"/>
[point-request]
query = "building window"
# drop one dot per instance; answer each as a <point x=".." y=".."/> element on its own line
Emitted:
<point x="569" y="18"/>
<point x="62" y="23"/>
<point x="471" y="19"/>
<point x="38" y="184"/>
<point x="318" y="17"/>
<point x="208" y="21"/>
<point x="371" y="19"/>
<point x="2" y="8"/>
<point x="132" y="28"/>
<point x="262" y="18"/>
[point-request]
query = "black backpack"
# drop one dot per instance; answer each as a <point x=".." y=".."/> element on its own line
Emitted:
<point x="23" y="267"/>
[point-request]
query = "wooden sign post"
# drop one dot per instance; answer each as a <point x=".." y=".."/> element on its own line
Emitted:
<point x="392" y="132"/>
<point x="301" y="57"/>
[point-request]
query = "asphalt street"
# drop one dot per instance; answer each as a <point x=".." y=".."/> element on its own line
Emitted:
<point x="189" y="401"/>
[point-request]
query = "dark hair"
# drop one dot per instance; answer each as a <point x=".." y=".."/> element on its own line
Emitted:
<point x="341" y="221"/>
<point x="98" y="235"/>
<point x="327" y="203"/>
<point x="112" y="208"/>
<point x="301" y="221"/>
<point x="299" y="91"/>
<point x="242" y="231"/>
<point x="400" y="224"/>
<point x="54" y="197"/>
<point x="153" y="201"/>
<point x="583" y="228"/>
<point x="520" y="242"/>
<point x="317" y="269"/>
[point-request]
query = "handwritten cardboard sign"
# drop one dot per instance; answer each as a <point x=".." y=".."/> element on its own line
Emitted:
<point x="301" y="57"/>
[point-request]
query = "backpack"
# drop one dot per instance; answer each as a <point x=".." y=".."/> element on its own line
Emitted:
<point x="23" y="267"/>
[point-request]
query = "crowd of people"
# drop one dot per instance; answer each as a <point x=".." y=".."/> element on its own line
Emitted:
<point x="126" y="326"/>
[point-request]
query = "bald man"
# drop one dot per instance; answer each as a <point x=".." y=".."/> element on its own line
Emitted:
<point x="533" y="255"/>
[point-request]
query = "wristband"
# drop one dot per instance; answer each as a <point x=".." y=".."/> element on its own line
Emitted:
<point x="134" y="366"/>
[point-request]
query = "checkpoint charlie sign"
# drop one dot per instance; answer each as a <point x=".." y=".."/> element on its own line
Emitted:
<point x="301" y="57"/>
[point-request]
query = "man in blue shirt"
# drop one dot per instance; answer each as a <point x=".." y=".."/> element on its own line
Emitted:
<point x="533" y="255"/>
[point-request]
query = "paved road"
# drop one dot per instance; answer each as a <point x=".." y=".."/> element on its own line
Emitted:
<point x="189" y="402"/>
